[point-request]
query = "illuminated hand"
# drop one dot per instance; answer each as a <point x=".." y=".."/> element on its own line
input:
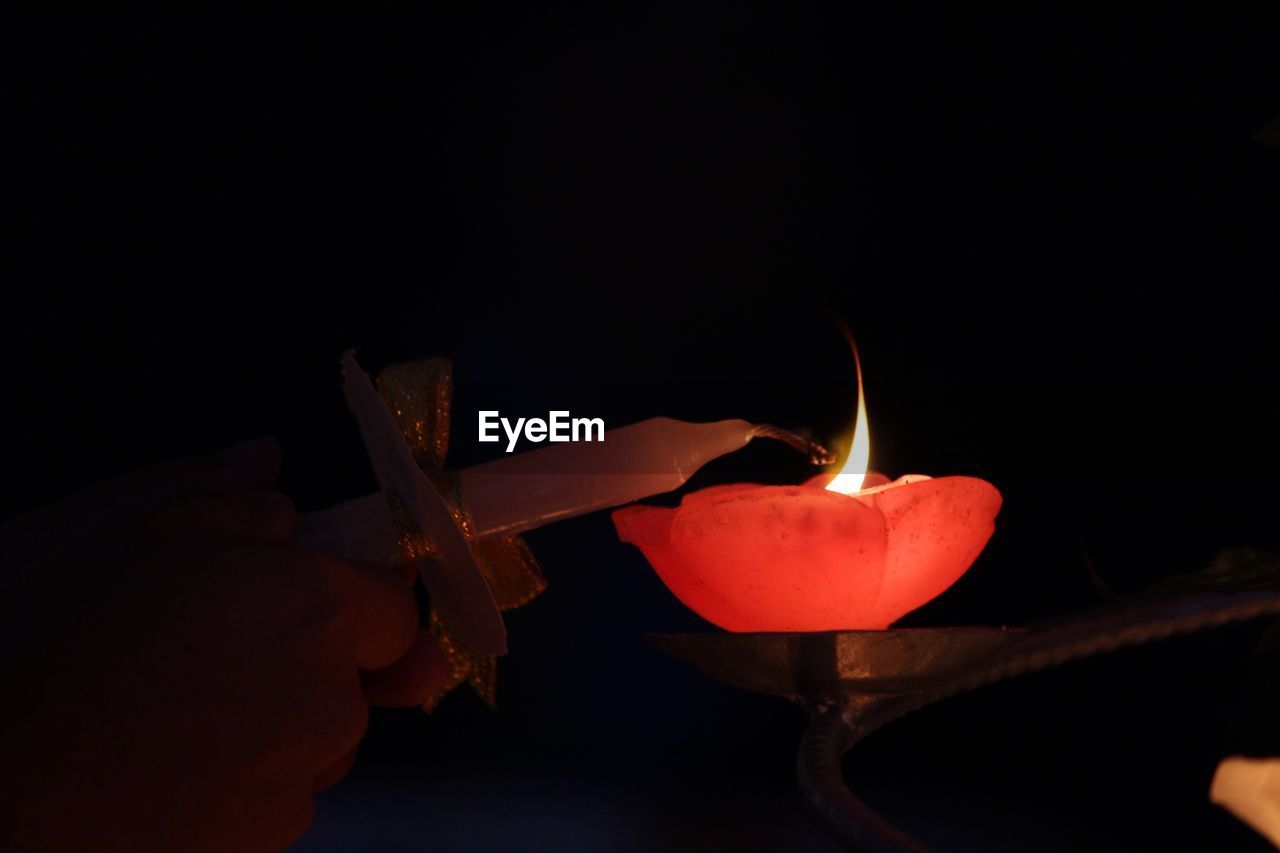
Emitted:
<point x="177" y="674"/>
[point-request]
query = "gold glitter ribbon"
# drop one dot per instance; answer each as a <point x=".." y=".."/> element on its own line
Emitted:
<point x="420" y="394"/>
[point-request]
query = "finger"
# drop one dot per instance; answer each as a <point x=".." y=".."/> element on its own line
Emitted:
<point x="267" y="517"/>
<point x="381" y="614"/>
<point x="407" y="572"/>
<point x="334" y="772"/>
<point x="247" y="467"/>
<point x="413" y="679"/>
<point x="251" y="465"/>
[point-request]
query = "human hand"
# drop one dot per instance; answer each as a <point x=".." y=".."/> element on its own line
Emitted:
<point x="178" y="674"/>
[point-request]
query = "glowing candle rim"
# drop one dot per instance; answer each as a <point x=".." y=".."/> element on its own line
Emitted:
<point x="934" y="528"/>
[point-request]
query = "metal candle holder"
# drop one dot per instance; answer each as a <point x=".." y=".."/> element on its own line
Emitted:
<point x="854" y="682"/>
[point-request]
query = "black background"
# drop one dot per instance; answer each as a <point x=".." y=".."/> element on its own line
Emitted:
<point x="1050" y="229"/>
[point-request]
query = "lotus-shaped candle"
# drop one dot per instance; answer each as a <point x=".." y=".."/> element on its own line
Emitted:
<point x="805" y="558"/>
<point x="849" y="552"/>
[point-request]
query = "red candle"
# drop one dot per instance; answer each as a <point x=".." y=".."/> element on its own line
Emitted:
<point x="848" y="552"/>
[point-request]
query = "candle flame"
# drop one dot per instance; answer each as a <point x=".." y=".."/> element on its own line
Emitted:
<point x="854" y="472"/>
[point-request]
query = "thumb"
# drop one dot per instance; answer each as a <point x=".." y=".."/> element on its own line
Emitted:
<point x="250" y="466"/>
<point x="46" y="533"/>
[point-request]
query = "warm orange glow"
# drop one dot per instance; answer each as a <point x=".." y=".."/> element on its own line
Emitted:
<point x="854" y="473"/>
<point x="855" y="553"/>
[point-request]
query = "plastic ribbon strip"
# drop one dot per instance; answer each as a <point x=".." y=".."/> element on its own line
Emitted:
<point x="419" y="394"/>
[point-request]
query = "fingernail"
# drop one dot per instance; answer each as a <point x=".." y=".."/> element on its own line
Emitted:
<point x="271" y="500"/>
<point x="278" y="518"/>
<point x="245" y="459"/>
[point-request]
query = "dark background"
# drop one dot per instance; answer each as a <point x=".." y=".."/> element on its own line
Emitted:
<point x="1050" y="229"/>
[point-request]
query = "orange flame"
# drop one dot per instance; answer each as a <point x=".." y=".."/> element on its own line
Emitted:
<point x="854" y="472"/>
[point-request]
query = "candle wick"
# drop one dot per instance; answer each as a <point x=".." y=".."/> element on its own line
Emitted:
<point x="818" y="455"/>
